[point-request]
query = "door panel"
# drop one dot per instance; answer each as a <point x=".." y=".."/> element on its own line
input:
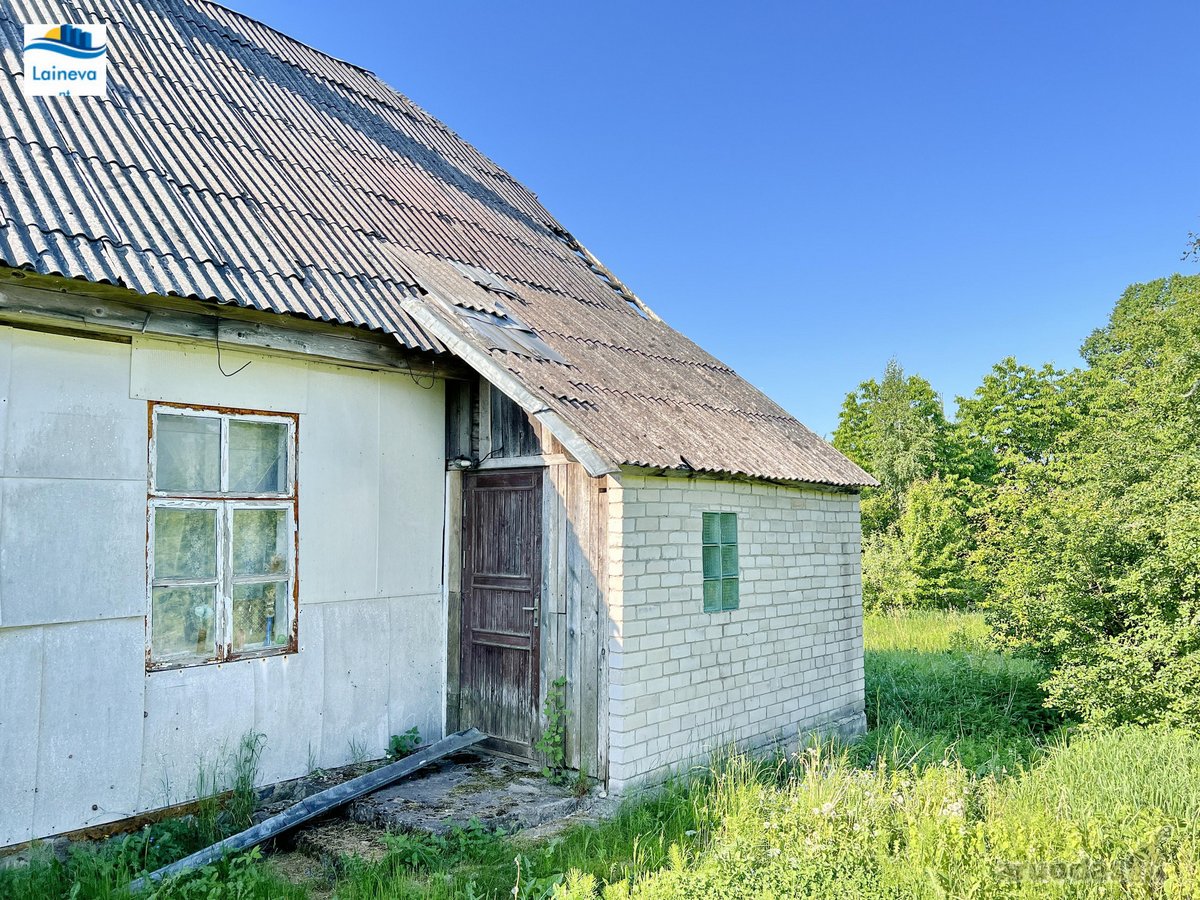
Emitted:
<point x="502" y="565"/>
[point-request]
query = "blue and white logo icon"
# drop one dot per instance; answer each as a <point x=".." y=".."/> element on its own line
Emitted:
<point x="66" y="60"/>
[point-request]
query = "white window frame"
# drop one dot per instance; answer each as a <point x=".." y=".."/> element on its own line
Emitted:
<point x="225" y="503"/>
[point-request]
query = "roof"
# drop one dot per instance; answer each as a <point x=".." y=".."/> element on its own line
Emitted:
<point x="230" y="163"/>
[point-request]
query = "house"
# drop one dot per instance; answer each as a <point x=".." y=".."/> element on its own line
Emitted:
<point x="315" y="424"/>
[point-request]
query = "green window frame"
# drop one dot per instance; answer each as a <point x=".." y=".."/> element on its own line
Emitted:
<point x="720" y="559"/>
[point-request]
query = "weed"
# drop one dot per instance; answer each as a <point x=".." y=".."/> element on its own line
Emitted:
<point x="553" y="741"/>
<point x="402" y="745"/>
<point x="358" y="751"/>
<point x="582" y="785"/>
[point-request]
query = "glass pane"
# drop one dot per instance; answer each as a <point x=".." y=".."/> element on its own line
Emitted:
<point x="712" y="595"/>
<point x="729" y="560"/>
<point x="728" y="528"/>
<point x="185" y="543"/>
<point x="260" y="615"/>
<point x="189" y="453"/>
<point x="712" y="528"/>
<point x="729" y="593"/>
<point x="260" y="542"/>
<point x="712" y="562"/>
<point x="181" y="622"/>
<point x="257" y="457"/>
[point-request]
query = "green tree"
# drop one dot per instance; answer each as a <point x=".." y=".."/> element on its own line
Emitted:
<point x="938" y="541"/>
<point x="896" y="429"/>
<point x="1096" y="551"/>
<point x="1017" y="414"/>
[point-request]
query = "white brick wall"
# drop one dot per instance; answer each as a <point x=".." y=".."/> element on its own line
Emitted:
<point x="790" y="659"/>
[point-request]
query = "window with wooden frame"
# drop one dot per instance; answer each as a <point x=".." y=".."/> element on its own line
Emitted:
<point x="222" y="535"/>
<point x="720" y="560"/>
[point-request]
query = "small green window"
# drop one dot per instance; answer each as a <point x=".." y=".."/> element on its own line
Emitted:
<point x="720" y="554"/>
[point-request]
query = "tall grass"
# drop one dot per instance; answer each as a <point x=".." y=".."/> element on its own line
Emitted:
<point x="936" y="689"/>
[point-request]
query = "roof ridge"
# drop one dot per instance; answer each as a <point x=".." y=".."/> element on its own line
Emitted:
<point x="287" y="37"/>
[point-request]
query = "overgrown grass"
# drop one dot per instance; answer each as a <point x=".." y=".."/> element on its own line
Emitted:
<point x="937" y="688"/>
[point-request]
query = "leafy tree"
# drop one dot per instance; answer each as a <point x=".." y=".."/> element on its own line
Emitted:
<point x="896" y="429"/>
<point x="938" y="542"/>
<point x="1017" y="414"/>
<point x="1098" y="549"/>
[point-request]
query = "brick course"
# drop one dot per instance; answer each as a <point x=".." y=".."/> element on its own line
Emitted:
<point x="684" y="682"/>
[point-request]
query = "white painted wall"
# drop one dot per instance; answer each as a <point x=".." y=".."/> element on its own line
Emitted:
<point x="87" y="736"/>
<point x="685" y="682"/>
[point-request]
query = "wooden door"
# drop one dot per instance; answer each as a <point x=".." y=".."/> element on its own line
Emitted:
<point x="502" y="566"/>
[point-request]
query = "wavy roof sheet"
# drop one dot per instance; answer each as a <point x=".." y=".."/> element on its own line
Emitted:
<point x="230" y="163"/>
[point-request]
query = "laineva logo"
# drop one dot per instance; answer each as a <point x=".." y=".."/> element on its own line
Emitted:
<point x="65" y="60"/>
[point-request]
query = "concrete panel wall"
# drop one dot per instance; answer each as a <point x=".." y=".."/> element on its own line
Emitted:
<point x="87" y="736"/>
<point x="789" y="659"/>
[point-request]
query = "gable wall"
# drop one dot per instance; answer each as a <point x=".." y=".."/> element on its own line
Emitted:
<point x="685" y="682"/>
<point x="87" y="735"/>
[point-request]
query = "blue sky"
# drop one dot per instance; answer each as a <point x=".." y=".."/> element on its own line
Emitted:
<point x="807" y="189"/>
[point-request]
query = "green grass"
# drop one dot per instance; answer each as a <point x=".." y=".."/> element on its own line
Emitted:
<point x="965" y="786"/>
<point x="936" y="689"/>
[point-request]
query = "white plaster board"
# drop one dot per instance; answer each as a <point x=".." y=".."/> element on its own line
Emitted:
<point x="72" y="550"/>
<point x="90" y="739"/>
<point x="339" y="486"/>
<point x="416" y="693"/>
<point x="194" y="717"/>
<point x="20" y="715"/>
<point x="412" y="476"/>
<point x="357" y="639"/>
<point x="6" y="337"/>
<point x="69" y="411"/>
<point x="179" y="372"/>
<point x="288" y="693"/>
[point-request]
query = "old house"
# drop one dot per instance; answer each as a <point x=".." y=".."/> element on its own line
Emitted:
<point x="315" y="423"/>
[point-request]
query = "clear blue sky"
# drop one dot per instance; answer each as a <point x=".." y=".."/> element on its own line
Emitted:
<point x="809" y="188"/>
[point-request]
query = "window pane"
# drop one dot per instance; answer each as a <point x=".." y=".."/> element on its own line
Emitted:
<point x="728" y="528"/>
<point x="712" y="562"/>
<point x="189" y="453"/>
<point x="181" y="622"/>
<point x="729" y="560"/>
<point x="729" y="593"/>
<point x="185" y="543"/>
<point x="712" y="595"/>
<point x="260" y="542"/>
<point x="257" y="457"/>
<point x="712" y="528"/>
<point x="260" y="615"/>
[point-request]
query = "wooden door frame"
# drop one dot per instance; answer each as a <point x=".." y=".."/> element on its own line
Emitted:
<point x="459" y="646"/>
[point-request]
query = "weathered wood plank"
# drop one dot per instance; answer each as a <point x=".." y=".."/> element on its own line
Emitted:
<point x="236" y="327"/>
<point x="589" y="642"/>
<point x="576" y="562"/>
<point x="458" y="420"/>
<point x="551" y="664"/>
<point x="601" y="557"/>
<point x="513" y="434"/>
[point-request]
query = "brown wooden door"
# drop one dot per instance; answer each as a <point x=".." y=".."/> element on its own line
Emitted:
<point x="502" y="567"/>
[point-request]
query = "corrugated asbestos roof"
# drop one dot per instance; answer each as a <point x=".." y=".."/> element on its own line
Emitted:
<point x="231" y="163"/>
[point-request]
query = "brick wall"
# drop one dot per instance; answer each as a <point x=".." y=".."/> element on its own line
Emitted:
<point x="789" y="660"/>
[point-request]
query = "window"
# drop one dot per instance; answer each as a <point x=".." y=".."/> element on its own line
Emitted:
<point x="221" y="560"/>
<point x="720" y="561"/>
